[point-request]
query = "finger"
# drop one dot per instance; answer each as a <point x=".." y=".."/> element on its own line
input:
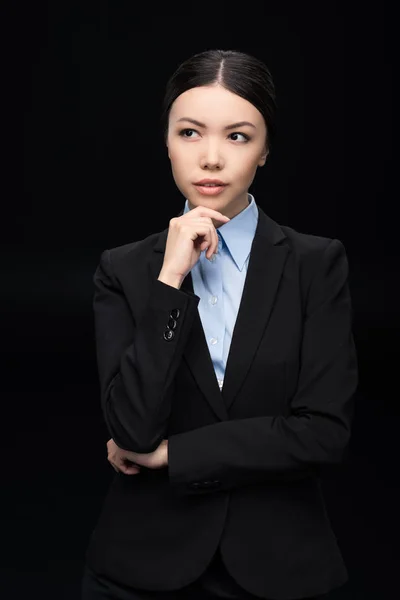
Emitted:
<point x="126" y="463"/>
<point x="210" y="240"/>
<point x="201" y="220"/>
<point x="208" y="243"/>
<point x="216" y="241"/>
<point x="130" y="470"/>
<point x="213" y="247"/>
<point x="200" y="230"/>
<point x="212" y="243"/>
<point x="209" y="212"/>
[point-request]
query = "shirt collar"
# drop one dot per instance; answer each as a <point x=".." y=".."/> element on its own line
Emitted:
<point x="238" y="233"/>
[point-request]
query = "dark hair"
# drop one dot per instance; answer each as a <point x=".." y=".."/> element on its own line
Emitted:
<point x="236" y="71"/>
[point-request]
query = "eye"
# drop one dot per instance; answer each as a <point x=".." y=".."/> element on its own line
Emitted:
<point x="236" y="133"/>
<point x="188" y="133"/>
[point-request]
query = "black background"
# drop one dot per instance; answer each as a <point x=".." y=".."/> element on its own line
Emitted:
<point x="85" y="83"/>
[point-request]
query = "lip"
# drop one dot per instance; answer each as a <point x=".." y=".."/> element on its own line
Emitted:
<point x="210" y="190"/>
<point x="215" y="181"/>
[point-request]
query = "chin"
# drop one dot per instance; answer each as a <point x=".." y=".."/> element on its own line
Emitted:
<point x="209" y="202"/>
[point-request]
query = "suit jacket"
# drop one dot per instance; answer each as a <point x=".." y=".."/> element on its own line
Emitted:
<point x="245" y="463"/>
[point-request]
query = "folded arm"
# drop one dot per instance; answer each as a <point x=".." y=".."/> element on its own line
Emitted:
<point x="136" y="364"/>
<point x="315" y="434"/>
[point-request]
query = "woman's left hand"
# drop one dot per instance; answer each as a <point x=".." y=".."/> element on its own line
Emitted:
<point x="152" y="460"/>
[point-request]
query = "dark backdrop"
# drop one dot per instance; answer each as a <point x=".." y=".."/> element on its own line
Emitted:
<point x="86" y="81"/>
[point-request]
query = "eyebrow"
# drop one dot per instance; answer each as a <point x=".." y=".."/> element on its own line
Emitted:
<point x="233" y="126"/>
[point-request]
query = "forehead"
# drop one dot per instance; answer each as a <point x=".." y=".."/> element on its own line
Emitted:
<point x="214" y="104"/>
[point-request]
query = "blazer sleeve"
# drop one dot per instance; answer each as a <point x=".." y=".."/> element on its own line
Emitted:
<point x="316" y="432"/>
<point x="136" y="362"/>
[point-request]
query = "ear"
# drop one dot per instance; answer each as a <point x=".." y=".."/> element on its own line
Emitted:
<point x="263" y="158"/>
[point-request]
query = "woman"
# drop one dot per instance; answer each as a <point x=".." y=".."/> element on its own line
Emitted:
<point x="227" y="371"/>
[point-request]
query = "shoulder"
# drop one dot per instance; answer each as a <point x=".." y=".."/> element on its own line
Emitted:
<point x="310" y="249"/>
<point x="322" y="265"/>
<point x="306" y="244"/>
<point x="316" y="258"/>
<point x="304" y="247"/>
<point x="126" y="256"/>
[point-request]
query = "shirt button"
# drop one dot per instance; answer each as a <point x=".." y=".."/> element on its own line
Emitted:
<point x="213" y="341"/>
<point x="214" y="299"/>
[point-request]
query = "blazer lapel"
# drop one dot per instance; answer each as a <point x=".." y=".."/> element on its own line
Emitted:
<point x="264" y="272"/>
<point x="266" y="263"/>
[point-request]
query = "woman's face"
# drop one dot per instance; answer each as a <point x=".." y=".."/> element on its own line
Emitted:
<point x="215" y="134"/>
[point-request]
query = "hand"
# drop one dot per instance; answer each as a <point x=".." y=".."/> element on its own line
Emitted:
<point x="188" y="236"/>
<point x="152" y="460"/>
<point x="120" y="460"/>
<point x="130" y="462"/>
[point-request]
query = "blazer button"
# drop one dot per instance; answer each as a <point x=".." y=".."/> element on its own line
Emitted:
<point x="194" y="486"/>
<point x="168" y="335"/>
<point x="171" y="323"/>
<point x="175" y="312"/>
<point x="214" y="483"/>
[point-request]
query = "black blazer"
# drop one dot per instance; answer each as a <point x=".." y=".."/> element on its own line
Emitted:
<point x="245" y="463"/>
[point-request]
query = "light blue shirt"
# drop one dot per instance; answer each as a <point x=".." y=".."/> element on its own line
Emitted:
<point x="219" y="283"/>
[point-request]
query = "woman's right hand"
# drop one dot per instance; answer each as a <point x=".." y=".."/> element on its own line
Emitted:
<point x="188" y="236"/>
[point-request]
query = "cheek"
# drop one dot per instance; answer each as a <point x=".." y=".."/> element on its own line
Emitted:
<point x="177" y="156"/>
<point x="180" y="166"/>
<point x="246" y="166"/>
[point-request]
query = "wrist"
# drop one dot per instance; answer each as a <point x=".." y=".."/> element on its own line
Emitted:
<point x="170" y="279"/>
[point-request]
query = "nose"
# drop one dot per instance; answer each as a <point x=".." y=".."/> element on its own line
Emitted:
<point x="212" y="158"/>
